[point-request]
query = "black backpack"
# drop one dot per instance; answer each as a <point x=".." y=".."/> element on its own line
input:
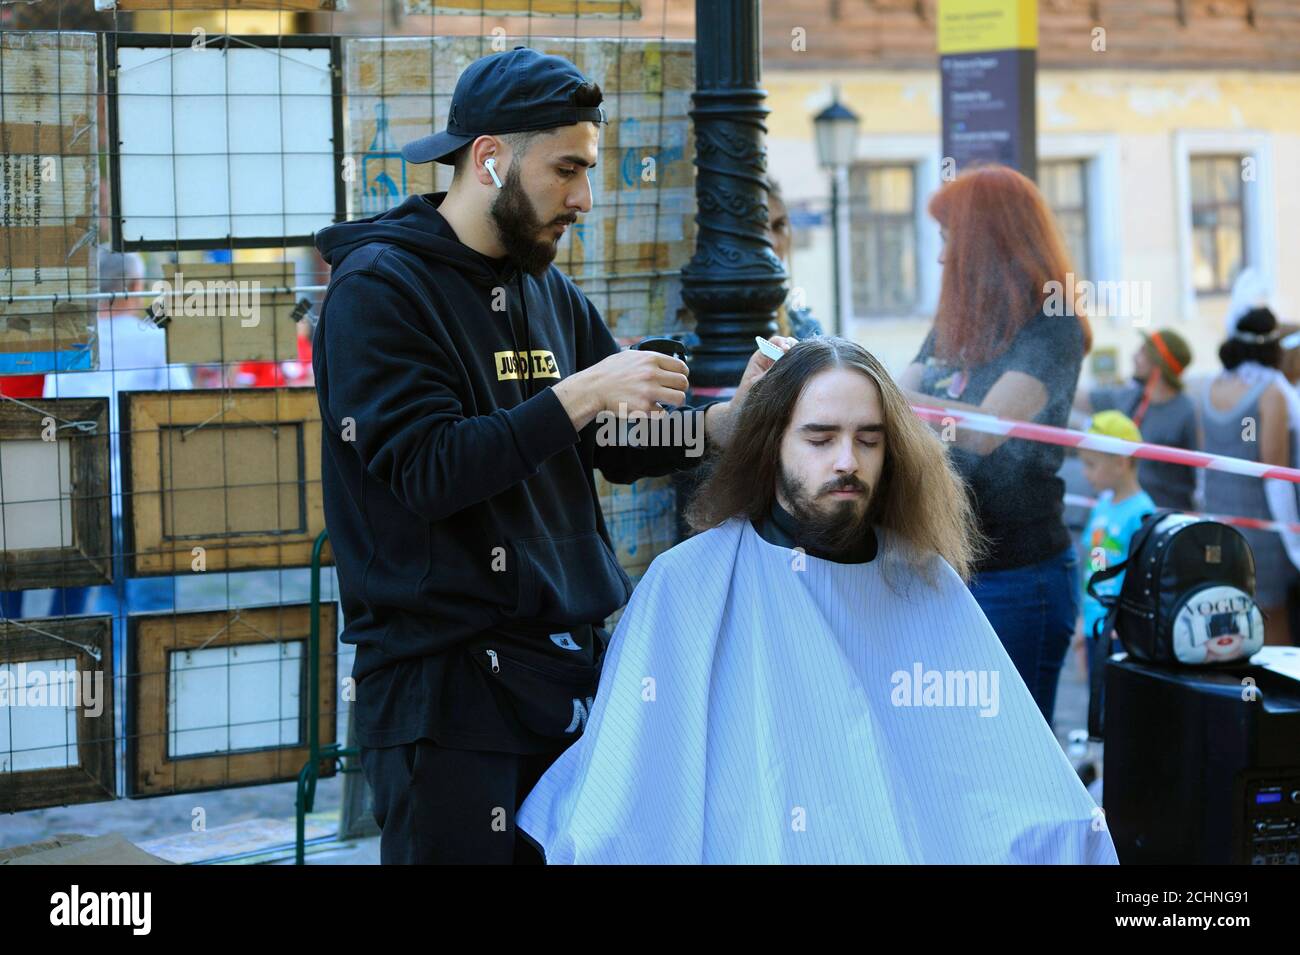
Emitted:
<point x="1187" y="600"/>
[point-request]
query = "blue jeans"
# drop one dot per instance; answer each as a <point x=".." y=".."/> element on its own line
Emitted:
<point x="1033" y="610"/>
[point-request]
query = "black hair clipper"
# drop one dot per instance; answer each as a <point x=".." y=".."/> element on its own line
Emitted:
<point x="664" y="346"/>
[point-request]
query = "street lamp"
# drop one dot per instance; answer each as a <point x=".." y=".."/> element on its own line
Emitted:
<point x="837" y="141"/>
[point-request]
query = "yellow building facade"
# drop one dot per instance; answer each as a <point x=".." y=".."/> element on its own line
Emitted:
<point x="1139" y="142"/>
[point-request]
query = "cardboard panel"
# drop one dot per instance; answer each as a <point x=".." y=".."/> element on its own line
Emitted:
<point x="235" y="473"/>
<point x="182" y="736"/>
<point x="56" y="712"/>
<point x="219" y="313"/>
<point x="54" y="493"/>
<point x="76" y="849"/>
<point x="49" y="191"/>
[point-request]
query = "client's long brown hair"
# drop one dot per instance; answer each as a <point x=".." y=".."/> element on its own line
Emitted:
<point x="920" y="497"/>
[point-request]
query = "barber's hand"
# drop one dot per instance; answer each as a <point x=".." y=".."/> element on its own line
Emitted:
<point x="758" y="366"/>
<point x="629" y="381"/>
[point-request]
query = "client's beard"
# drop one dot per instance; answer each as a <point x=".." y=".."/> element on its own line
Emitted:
<point x="836" y="529"/>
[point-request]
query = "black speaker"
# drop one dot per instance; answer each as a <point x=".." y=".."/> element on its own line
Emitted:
<point x="1202" y="766"/>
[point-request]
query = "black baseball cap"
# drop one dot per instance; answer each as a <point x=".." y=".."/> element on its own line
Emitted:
<point x="507" y="93"/>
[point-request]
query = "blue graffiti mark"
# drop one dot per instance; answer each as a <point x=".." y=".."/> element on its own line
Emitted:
<point x="632" y="161"/>
<point x="379" y="190"/>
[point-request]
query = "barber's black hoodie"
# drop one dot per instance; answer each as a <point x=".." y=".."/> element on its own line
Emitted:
<point x="460" y="502"/>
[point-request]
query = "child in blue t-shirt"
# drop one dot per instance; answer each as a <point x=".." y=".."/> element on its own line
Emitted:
<point x="1118" y="513"/>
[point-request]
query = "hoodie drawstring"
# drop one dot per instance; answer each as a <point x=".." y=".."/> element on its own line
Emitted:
<point x="526" y="376"/>
<point x="529" y="391"/>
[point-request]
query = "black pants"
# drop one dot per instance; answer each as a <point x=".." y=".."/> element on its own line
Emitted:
<point x="437" y="805"/>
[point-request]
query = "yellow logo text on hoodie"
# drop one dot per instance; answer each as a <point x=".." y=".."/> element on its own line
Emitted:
<point x="537" y="363"/>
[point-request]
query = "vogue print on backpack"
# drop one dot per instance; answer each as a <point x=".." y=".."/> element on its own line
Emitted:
<point x="1217" y="624"/>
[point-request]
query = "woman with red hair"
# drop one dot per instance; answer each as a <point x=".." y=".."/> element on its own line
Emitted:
<point x="1005" y="343"/>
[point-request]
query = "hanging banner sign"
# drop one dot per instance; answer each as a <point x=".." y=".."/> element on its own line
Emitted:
<point x="988" y="66"/>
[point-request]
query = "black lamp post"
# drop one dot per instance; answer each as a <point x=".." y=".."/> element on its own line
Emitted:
<point x="734" y="283"/>
<point x="837" y="140"/>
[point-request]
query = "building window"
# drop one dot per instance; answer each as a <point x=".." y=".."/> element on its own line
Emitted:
<point x="1218" y="223"/>
<point x="882" y="239"/>
<point x="1064" y="184"/>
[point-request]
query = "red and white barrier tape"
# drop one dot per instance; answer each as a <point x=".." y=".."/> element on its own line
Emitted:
<point x="1047" y="434"/>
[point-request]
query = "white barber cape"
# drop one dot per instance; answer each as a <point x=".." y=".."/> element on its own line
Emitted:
<point x="752" y="712"/>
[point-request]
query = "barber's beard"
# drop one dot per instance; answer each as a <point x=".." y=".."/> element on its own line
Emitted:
<point x="520" y="229"/>
<point x="826" y="524"/>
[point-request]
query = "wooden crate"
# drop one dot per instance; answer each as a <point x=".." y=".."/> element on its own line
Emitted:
<point x="209" y="328"/>
<point x="157" y="714"/>
<point x="90" y="773"/>
<point x="235" y="473"/>
<point x="54" y="493"/>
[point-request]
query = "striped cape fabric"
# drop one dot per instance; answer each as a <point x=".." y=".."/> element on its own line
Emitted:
<point x="761" y="706"/>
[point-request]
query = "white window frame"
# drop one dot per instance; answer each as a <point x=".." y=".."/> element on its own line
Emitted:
<point x="1260" y="228"/>
<point x="922" y="153"/>
<point x="1100" y="156"/>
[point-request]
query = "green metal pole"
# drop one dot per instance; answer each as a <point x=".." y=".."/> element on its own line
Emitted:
<point x="307" y="778"/>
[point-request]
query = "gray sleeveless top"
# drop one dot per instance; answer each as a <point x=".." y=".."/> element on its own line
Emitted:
<point x="1234" y="493"/>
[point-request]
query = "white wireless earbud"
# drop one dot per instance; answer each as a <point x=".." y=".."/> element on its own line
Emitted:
<point x="491" y="165"/>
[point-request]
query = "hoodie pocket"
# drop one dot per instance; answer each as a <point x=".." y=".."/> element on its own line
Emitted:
<point x="568" y="580"/>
